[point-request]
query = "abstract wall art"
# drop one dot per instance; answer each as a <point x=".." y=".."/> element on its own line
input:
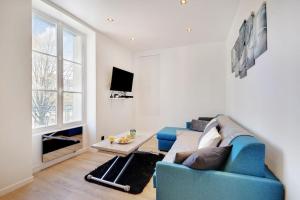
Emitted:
<point x="250" y="44"/>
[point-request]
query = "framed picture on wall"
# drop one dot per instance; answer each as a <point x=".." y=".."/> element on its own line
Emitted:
<point x="251" y="43"/>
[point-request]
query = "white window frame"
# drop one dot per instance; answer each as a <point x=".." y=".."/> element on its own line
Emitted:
<point x="60" y="26"/>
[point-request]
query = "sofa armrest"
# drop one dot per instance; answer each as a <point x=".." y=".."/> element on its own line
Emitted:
<point x="188" y="125"/>
<point x="177" y="182"/>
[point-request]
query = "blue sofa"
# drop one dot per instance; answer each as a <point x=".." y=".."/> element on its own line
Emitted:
<point x="244" y="177"/>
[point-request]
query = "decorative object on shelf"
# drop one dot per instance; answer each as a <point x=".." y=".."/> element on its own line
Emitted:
<point x="251" y="43"/>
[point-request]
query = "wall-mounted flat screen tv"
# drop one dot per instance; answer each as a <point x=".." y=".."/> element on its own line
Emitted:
<point x="121" y="80"/>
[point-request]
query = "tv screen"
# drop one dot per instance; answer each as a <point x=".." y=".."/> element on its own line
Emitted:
<point x="121" y="80"/>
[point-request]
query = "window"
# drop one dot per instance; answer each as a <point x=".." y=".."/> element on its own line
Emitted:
<point x="57" y="74"/>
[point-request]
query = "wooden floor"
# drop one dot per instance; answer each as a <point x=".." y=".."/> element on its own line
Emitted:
<point x="65" y="181"/>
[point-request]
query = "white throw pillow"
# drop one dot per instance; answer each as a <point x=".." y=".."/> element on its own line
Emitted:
<point x="212" y="123"/>
<point x="210" y="139"/>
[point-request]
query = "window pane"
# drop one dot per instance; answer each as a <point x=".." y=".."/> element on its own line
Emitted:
<point x="44" y="72"/>
<point x="43" y="36"/>
<point x="72" y="107"/>
<point x="44" y="109"/>
<point x="72" y="77"/>
<point x="72" y="47"/>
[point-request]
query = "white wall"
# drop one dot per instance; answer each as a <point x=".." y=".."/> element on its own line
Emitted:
<point x="15" y="93"/>
<point x="190" y="82"/>
<point x="267" y="100"/>
<point x="113" y="116"/>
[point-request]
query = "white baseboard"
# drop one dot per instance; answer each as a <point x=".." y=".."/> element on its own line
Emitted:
<point x="58" y="160"/>
<point x="15" y="186"/>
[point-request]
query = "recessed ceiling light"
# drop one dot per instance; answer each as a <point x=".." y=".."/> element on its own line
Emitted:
<point x="183" y="2"/>
<point x="189" y="30"/>
<point x="132" y="39"/>
<point x="110" y="19"/>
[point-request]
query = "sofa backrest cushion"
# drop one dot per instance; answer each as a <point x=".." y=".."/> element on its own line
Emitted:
<point x="229" y="129"/>
<point x="247" y="155"/>
<point x="198" y="125"/>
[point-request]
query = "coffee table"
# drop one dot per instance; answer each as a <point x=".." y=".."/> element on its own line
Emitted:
<point x="120" y="150"/>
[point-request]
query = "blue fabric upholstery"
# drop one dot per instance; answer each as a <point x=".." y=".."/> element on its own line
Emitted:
<point x="177" y="182"/>
<point x="247" y="157"/>
<point x="189" y="125"/>
<point x="165" y="145"/>
<point x="154" y="180"/>
<point x="168" y="133"/>
<point x="166" y="137"/>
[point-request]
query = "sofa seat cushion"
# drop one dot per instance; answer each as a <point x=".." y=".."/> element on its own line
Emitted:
<point x="186" y="141"/>
<point x="168" y="133"/>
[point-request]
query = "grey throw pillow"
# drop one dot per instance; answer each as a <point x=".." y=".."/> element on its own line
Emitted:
<point x="205" y="118"/>
<point x="182" y="156"/>
<point x="212" y="124"/>
<point x="198" y="125"/>
<point x="209" y="158"/>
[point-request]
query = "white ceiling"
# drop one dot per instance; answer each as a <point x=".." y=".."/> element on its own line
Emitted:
<point x="156" y="24"/>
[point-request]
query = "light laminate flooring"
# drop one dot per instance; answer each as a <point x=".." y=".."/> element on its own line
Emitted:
<point x="65" y="181"/>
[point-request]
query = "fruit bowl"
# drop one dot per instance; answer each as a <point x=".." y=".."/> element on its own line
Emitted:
<point x="124" y="140"/>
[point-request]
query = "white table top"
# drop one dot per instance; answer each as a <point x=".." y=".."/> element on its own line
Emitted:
<point x="124" y="149"/>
